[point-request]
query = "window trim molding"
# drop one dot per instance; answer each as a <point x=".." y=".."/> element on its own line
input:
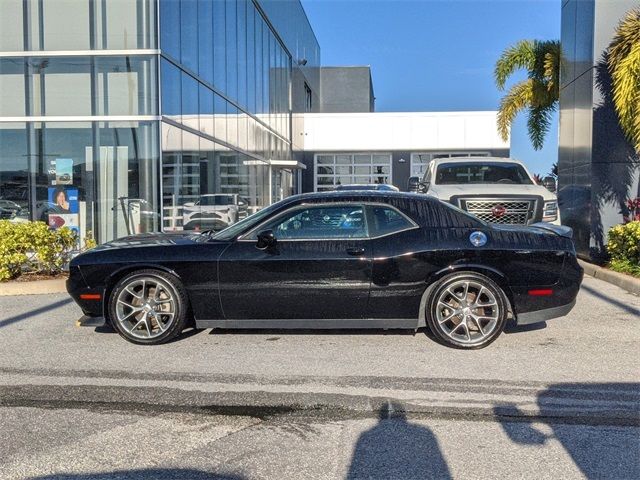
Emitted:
<point x="80" y="53"/>
<point x="414" y="225"/>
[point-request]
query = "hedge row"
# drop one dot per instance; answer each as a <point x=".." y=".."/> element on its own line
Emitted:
<point x="32" y="247"/>
<point x="624" y="248"/>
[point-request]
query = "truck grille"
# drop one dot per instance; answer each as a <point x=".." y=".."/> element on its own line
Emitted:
<point x="513" y="212"/>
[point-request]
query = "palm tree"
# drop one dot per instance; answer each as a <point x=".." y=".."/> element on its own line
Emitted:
<point x="624" y="65"/>
<point x="538" y="93"/>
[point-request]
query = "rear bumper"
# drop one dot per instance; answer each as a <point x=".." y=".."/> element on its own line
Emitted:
<point x="528" y="318"/>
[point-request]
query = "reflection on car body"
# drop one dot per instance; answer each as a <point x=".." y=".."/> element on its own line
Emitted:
<point x="351" y="259"/>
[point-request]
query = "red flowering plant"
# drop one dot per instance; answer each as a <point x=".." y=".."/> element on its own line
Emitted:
<point x="633" y="214"/>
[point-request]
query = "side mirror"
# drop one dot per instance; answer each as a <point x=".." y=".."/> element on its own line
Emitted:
<point x="549" y="183"/>
<point x="266" y="240"/>
<point x="413" y="185"/>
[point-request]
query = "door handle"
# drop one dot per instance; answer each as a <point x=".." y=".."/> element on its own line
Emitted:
<point x="356" y="252"/>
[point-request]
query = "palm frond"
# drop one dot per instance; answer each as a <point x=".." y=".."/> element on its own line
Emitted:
<point x="520" y="55"/>
<point x="538" y="124"/>
<point x="624" y="65"/>
<point x="517" y="99"/>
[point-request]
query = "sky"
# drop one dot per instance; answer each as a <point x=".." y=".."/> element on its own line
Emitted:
<point x="437" y="55"/>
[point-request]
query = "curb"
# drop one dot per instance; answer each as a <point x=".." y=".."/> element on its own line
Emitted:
<point x="37" y="287"/>
<point x="627" y="282"/>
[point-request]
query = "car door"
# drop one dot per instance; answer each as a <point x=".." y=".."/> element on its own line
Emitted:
<point x="400" y="264"/>
<point x="319" y="268"/>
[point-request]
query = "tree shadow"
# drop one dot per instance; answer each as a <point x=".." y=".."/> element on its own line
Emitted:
<point x="23" y="316"/>
<point x="396" y="448"/>
<point x="613" y="301"/>
<point x="145" y="474"/>
<point x="587" y="432"/>
<point x="614" y="161"/>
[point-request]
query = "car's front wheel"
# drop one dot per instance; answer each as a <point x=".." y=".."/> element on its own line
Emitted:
<point x="467" y="310"/>
<point x="148" y="307"/>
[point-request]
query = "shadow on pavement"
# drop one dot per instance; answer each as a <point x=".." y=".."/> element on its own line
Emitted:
<point x="146" y="474"/>
<point x="395" y="448"/>
<point x="37" y="311"/>
<point x="585" y="436"/>
<point x="624" y="306"/>
<point x="513" y="327"/>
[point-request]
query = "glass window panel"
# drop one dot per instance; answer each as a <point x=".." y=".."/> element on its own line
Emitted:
<point x="232" y="50"/>
<point x="387" y="220"/>
<point x="219" y="45"/>
<point x="343" y="170"/>
<point x="382" y="159"/>
<point x="220" y="117"/>
<point x="189" y="101"/>
<point x="232" y="124"/>
<point x="325" y="159"/>
<point x="266" y="89"/>
<point x="11" y="37"/>
<point x="127" y="86"/>
<point x="362" y="159"/>
<point x="381" y="170"/>
<point x="242" y="51"/>
<point x="206" y="110"/>
<point x="325" y="180"/>
<point x="343" y="180"/>
<point x="363" y="180"/>
<point x="171" y="91"/>
<point x="67" y="85"/>
<point x="189" y="34"/>
<point x="323" y="170"/>
<point x="118" y="22"/>
<point x="343" y="159"/>
<point x="258" y="59"/>
<point x="339" y="221"/>
<point x="14" y="167"/>
<point x="66" y="25"/>
<point x="205" y="39"/>
<point x="362" y="170"/>
<point x="12" y="93"/>
<point x="170" y="27"/>
<point x="251" y="58"/>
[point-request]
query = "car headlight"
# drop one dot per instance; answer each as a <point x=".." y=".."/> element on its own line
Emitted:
<point x="550" y="212"/>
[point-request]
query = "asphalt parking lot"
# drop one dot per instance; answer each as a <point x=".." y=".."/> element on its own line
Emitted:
<point x="560" y="401"/>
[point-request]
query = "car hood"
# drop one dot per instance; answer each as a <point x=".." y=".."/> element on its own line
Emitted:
<point x="150" y="239"/>
<point x="445" y="192"/>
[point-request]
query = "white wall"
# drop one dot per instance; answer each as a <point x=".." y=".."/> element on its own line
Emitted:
<point x="401" y="131"/>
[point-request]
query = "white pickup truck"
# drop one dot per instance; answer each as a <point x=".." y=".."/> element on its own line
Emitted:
<point x="496" y="190"/>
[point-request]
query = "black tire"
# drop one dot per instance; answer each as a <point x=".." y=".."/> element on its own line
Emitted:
<point x="444" y="331"/>
<point x="170" y="285"/>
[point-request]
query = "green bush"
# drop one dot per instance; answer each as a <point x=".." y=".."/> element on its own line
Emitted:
<point x="624" y="248"/>
<point x="32" y="247"/>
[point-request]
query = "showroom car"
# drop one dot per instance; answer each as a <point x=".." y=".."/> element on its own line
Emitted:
<point x="214" y="211"/>
<point x="355" y="259"/>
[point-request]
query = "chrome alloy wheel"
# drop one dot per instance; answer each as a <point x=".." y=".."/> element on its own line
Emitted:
<point x="467" y="312"/>
<point x="146" y="307"/>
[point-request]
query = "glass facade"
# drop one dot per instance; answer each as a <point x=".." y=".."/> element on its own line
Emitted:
<point x="226" y="111"/>
<point x="122" y="116"/>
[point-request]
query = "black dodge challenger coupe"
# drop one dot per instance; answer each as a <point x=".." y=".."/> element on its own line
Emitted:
<point x="353" y="259"/>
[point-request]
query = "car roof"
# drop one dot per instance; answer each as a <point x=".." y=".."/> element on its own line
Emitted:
<point x="479" y="159"/>
<point x="358" y="195"/>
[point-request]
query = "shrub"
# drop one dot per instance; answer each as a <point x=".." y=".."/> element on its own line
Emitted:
<point x="624" y="248"/>
<point x="32" y="247"/>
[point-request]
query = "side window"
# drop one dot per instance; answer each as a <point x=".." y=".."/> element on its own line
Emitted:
<point x="388" y="220"/>
<point x="319" y="222"/>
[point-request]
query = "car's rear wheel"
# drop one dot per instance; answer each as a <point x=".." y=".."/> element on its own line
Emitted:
<point x="148" y="307"/>
<point x="467" y="310"/>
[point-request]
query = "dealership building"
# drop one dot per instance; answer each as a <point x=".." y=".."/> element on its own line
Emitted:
<point x="120" y="116"/>
<point x="598" y="169"/>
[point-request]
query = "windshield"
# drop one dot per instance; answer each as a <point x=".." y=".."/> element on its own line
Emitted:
<point x="484" y="172"/>
<point x="236" y="229"/>
<point x="216" y="200"/>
